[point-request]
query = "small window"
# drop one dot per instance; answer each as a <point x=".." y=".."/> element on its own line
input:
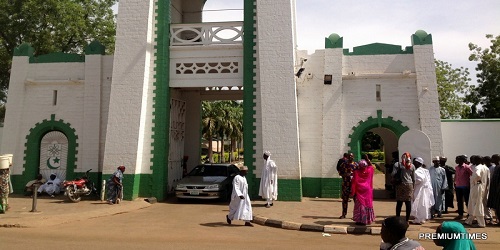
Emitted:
<point x="377" y="93"/>
<point x="328" y="79"/>
<point x="54" y="98"/>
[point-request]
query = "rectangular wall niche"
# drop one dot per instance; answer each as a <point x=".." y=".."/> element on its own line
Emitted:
<point x="377" y="93"/>
<point x="328" y="79"/>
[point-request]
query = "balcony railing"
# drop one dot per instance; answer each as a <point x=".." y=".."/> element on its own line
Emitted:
<point x="206" y="33"/>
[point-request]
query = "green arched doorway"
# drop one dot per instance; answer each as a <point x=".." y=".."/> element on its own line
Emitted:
<point x="33" y="144"/>
<point x="364" y="126"/>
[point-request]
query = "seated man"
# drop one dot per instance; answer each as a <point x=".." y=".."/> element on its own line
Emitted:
<point x="393" y="234"/>
<point x="28" y="189"/>
<point x="51" y="187"/>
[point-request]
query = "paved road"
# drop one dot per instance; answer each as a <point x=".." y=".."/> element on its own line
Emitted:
<point x="191" y="225"/>
<point x="172" y="226"/>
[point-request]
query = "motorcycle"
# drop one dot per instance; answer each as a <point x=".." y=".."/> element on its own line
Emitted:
<point x="79" y="187"/>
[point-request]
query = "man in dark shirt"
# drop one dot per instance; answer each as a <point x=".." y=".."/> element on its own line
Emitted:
<point x="345" y="171"/>
<point x="450" y="172"/>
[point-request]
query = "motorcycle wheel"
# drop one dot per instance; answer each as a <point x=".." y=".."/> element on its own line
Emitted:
<point x="72" y="196"/>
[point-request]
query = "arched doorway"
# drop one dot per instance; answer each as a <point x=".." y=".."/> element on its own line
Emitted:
<point x="33" y="149"/>
<point x="53" y="155"/>
<point x="370" y="123"/>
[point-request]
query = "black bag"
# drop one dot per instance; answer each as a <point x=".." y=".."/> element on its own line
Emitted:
<point x="397" y="178"/>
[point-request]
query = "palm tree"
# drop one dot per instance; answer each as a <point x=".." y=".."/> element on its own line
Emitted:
<point x="223" y="119"/>
<point x="210" y="125"/>
<point x="236" y="114"/>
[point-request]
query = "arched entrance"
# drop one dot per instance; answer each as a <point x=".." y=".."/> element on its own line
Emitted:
<point x="53" y="155"/>
<point x="371" y="123"/>
<point x="33" y="152"/>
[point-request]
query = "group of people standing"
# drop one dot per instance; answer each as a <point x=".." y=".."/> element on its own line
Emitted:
<point x="240" y="207"/>
<point x="427" y="191"/>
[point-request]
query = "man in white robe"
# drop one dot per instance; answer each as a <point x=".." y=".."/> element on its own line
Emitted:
<point x="479" y="183"/>
<point x="240" y="207"/>
<point x="423" y="198"/>
<point x="269" y="180"/>
<point x="439" y="185"/>
<point x="52" y="186"/>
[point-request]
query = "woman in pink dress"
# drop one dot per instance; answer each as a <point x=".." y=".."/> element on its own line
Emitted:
<point x="362" y="191"/>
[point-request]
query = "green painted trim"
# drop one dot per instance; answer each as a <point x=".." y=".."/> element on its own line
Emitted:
<point x="334" y="41"/>
<point x="470" y="120"/>
<point x="32" y="150"/>
<point x="365" y="126"/>
<point x="421" y="38"/>
<point x="58" y="57"/>
<point x="161" y="106"/>
<point x="289" y="190"/>
<point x="321" y="187"/>
<point x="378" y="49"/>
<point x="311" y="187"/>
<point x="134" y="185"/>
<point x="95" y="48"/>
<point x="24" y="49"/>
<point x="249" y="97"/>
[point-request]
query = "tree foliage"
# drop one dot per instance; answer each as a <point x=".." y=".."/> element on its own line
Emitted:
<point x="485" y="97"/>
<point x="453" y="85"/>
<point x="52" y="26"/>
<point x="222" y="120"/>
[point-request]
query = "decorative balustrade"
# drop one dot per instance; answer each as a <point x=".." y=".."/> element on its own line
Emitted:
<point x="206" y="33"/>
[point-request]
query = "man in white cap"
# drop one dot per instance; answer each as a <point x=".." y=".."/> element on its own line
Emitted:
<point x="423" y="198"/>
<point x="439" y="185"/>
<point x="269" y="180"/>
<point x="240" y="207"/>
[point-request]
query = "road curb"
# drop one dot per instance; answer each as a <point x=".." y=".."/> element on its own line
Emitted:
<point x="333" y="229"/>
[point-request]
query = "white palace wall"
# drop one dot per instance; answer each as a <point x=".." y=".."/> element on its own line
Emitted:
<point x="82" y="102"/>
<point x="328" y="112"/>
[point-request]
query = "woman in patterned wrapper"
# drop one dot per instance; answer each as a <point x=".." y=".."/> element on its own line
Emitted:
<point x="115" y="186"/>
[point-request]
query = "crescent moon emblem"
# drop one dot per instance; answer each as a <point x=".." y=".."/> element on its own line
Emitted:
<point x="49" y="165"/>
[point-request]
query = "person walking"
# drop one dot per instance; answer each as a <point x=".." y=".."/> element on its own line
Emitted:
<point x="269" y="180"/>
<point x="404" y="173"/>
<point x="479" y="183"/>
<point x="240" y="207"/>
<point x="462" y="184"/>
<point x="115" y="186"/>
<point x="423" y="195"/>
<point x="362" y="191"/>
<point x="345" y="171"/>
<point x="448" y="193"/>
<point x="439" y="185"/>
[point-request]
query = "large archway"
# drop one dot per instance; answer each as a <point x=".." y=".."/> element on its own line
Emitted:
<point x="370" y="123"/>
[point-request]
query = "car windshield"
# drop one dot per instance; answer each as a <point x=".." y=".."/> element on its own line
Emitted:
<point x="209" y="170"/>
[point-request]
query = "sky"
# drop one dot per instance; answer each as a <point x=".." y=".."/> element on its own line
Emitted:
<point x="453" y="24"/>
